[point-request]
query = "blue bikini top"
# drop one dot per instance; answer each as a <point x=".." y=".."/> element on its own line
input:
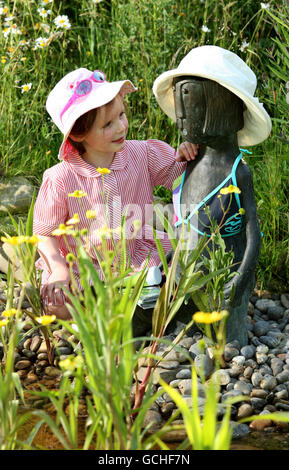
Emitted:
<point x="212" y="207"/>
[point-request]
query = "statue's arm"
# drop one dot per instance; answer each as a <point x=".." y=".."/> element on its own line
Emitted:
<point x="253" y="234"/>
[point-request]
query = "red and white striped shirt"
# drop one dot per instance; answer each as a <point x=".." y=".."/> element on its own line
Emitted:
<point x="127" y="189"/>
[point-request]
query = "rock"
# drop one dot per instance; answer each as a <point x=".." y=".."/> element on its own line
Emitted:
<point x="35" y="343"/>
<point x="275" y="313"/>
<point x="240" y="430"/>
<point x="15" y="194"/>
<point x="248" y="351"/>
<point x="153" y="420"/>
<point x="230" y="352"/>
<point x="52" y="371"/>
<point x="22" y="364"/>
<point x="204" y="365"/>
<point x="276" y="365"/>
<point x="223" y="376"/>
<point x="285" y="300"/>
<point x="244" y="411"/>
<point x="261" y="328"/>
<point x="239" y="360"/>
<point x="166" y="375"/>
<point x="243" y="387"/>
<point x="268" y="382"/>
<point x="264" y="304"/>
<point x="184" y="374"/>
<point x="259" y="393"/>
<point x="256" y="378"/>
<point x="260" y="424"/>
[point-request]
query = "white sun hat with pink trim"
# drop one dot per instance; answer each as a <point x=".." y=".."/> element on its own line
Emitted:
<point x="230" y="71"/>
<point x="79" y="92"/>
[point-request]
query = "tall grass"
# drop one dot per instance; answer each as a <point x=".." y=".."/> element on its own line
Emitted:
<point x="140" y="40"/>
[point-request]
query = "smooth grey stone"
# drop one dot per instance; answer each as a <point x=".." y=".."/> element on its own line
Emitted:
<point x="261" y="327"/>
<point x="256" y="379"/>
<point x="283" y="376"/>
<point x="276" y="312"/>
<point x="257" y="403"/>
<point x="243" y="387"/>
<point x="259" y="393"/>
<point x="268" y="382"/>
<point x="184" y="374"/>
<point x="240" y="430"/>
<point x="276" y="365"/>
<point x="204" y="365"/>
<point x="230" y="352"/>
<point x="248" y="372"/>
<point x="222" y="376"/>
<point x="285" y="300"/>
<point x="236" y="370"/>
<point x="248" y="351"/>
<point x="261" y="357"/>
<point x="264" y="304"/>
<point x="269" y="341"/>
<point x="244" y="411"/>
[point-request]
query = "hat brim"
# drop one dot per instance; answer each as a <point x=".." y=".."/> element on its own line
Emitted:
<point x="99" y="97"/>
<point x="257" y="122"/>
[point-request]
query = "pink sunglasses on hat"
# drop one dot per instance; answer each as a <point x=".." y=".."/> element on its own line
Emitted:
<point x="83" y="88"/>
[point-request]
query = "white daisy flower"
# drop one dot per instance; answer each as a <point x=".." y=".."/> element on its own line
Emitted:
<point x="205" y="29"/>
<point x="9" y="18"/>
<point x="26" y="87"/>
<point x="62" y="21"/>
<point x="244" y="46"/>
<point x="265" y="6"/>
<point x="3" y="10"/>
<point x="43" y="13"/>
<point x="40" y="43"/>
<point x="11" y="30"/>
<point x="46" y="2"/>
<point x="97" y="1"/>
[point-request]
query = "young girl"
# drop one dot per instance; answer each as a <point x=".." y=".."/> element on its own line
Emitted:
<point x="101" y="172"/>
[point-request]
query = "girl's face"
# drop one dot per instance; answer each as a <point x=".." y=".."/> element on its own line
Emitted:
<point x="108" y="132"/>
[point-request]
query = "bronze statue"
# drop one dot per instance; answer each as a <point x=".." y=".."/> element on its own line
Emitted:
<point x="210" y="96"/>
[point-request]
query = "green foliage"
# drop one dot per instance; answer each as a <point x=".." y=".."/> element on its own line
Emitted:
<point x="140" y="40"/>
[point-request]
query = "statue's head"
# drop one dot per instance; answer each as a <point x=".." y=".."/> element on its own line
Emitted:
<point x="204" y="109"/>
<point x="216" y="87"/>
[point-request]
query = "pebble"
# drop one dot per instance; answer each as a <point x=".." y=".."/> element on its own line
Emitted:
<point x="258" y="371"/>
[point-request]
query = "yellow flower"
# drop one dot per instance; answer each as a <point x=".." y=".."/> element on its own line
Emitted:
<point x="71" y="363"/>
<point x="45" y="319"/>
<point x="9" y="313"/>
<point x="103" y="231"/>
<point x="209" y="317"/>
<point x="14" y="240"/>
<point x="3" y="322"/>
<point x="3" y="59"/>
<point x="77" y="193"/>
<point x="90" y="214"/>
<point x="103" y="171"/>
<point x="74" y="220"/>
<point x="230" y="189"/>
<point x="241" y="211"/>
<point x="62" y="230"/>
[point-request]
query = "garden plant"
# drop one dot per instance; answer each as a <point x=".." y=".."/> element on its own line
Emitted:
<point x="41" y="40"/>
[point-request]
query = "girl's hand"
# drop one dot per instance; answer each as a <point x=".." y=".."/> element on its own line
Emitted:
<point x="187" y="152"/>
<point x="53" y="296"/>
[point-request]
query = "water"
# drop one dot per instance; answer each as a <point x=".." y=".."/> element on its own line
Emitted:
<point x="266" y="440"/>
